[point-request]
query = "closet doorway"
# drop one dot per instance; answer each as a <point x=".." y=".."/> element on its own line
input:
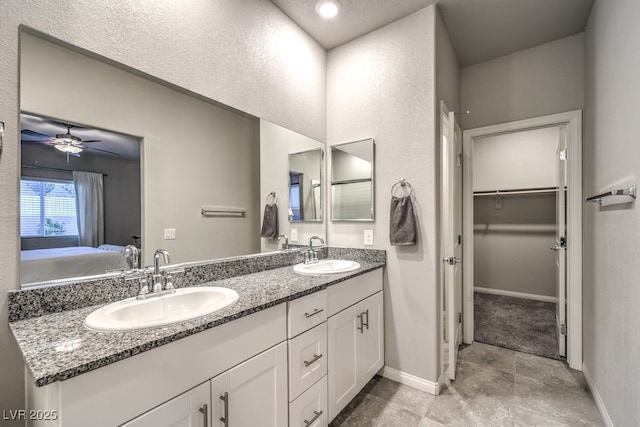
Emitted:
<point x="522" y="213"/>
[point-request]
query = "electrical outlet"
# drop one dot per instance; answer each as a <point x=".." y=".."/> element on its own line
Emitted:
<point x="294" y="234"/>
<point x="169" y="233"/>
<point x="368" y="237"/>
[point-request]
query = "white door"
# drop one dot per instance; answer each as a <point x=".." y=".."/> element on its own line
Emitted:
<point x="187" y="410"/>
<point x="452" y="233"/>
<point x="560" y="244"/>
<point x="253" y="393"/>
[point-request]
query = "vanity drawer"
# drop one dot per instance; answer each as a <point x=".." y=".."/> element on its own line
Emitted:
<point x="310" y="409"/>
<point x="349" y="292"/>
<point x="307" y="360"/>
<point x="306" y="312"/>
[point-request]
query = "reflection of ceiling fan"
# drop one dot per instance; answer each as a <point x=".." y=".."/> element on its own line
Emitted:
<point x="65" y="142"/>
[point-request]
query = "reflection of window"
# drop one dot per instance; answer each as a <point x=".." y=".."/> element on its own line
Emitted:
<point x="295" y="196"/>
<point x="47" y="208"/>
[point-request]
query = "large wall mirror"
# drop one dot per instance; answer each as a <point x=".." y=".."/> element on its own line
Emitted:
<point x="305" y="186"/>
<point x="352" y="186"/>
<point x="192" y="152"/>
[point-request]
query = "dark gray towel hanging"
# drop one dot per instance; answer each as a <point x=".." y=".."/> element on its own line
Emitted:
<point x="402" y="230"/>
<point x="270" y="218"/>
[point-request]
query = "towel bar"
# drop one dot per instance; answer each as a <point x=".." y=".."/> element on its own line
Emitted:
<point x="222" y="211"/>
<point x="624" y="195"/>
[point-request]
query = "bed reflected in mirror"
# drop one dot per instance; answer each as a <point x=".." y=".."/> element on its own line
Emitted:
<point x="80" y="199"/>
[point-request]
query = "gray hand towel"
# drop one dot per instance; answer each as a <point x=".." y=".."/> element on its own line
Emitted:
<point x="402" y="230"/>
<point x="270" y="221"/>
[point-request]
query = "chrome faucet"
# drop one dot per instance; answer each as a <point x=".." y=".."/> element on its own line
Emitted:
<point x="311" y="256"/>
<point x="285" y="245"/>
<point x="157" y="277"/>
<point x="132" y="254"/>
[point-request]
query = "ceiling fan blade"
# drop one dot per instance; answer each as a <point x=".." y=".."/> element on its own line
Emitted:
<point x="33" y="136"/>
<point x="104" y="151"/>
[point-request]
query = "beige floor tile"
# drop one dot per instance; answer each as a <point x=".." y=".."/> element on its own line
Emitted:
<point x="489" y="356"/>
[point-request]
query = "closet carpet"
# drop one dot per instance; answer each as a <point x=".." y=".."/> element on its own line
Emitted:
<point x="518" y="324"/>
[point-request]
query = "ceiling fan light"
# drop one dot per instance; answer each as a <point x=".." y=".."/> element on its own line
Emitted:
<point x="68" y="148"/>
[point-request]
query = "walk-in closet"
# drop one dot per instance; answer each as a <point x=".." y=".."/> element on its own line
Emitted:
<point x="517" y="213"/>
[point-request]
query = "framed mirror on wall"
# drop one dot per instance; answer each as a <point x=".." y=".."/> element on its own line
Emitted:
<point x="352" y="184"/>
<point x="305" y="186"/>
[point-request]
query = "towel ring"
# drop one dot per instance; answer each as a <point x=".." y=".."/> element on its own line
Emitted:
<point x="273" y="197"/>
<point x="402" y="183"/>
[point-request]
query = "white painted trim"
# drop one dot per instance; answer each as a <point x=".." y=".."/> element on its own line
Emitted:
<point x="545" y="298"/>
<point x="597" y="398"/>
<point x="412" y="380"/>
<point x="572" y="121"/>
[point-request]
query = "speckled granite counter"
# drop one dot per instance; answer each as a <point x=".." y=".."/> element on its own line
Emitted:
<point x="58" y="346"/>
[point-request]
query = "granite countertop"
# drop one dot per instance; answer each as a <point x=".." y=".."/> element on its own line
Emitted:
<point x="58" y="346"/>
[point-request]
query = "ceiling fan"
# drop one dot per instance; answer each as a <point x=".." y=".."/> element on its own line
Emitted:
<point x="64" y="142"/>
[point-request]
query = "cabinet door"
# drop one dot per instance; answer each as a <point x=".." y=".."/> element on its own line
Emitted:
<point x="186" y="410"/>
<point x="256" y="391"/>
<point x="371" y="340"/>
<point x="343" y="363"/>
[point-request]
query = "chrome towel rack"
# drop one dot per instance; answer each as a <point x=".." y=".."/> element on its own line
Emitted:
<point x="623" y="195"/>
<point x="223" y="211"/>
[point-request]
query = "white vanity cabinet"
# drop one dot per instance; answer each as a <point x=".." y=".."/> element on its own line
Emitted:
<point x="187" y="410"/>
<point x="253" y="393"/>
<point x="355" y="337"/>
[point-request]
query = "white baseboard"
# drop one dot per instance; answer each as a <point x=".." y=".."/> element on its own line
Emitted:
<point x="412" y="380"/>
<point x="525" y="295"/>
<point x="596" y="396"/>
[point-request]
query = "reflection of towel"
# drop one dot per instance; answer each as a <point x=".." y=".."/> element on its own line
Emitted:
<point x="270" y="221"/>
<point x="402" y="230"/>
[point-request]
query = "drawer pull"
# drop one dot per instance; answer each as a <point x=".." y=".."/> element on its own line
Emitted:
<point x="316" y="415"/>
<point x="204" y="410"/>
<point x="316" y="357"/>
<point x="225" y="399"/>
<point x="314" y="312"/>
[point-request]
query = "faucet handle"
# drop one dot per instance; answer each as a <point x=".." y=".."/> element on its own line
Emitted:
<point x="143" y="288"/>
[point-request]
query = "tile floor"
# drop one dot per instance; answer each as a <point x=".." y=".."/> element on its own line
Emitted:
<point x="494" y="387"/>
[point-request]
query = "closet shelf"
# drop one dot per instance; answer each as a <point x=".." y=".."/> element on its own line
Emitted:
<point x="614" y="197"/>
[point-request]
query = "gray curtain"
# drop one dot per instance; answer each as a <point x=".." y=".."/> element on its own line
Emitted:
<point x="89" y="208"/>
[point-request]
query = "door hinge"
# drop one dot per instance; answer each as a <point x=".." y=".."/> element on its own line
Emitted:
<point x="459" y="160"/>
<point x="563" y="329"/>
<point x="459" y="317"/>
<point x="563" y="242"/>
<point x="563" y="154"/>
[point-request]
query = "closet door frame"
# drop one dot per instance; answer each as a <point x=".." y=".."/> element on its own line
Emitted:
<point x="571" y="121"/>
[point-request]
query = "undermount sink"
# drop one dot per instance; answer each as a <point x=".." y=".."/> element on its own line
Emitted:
<point x="184" y="304"/>
<point x="326" y="266"/>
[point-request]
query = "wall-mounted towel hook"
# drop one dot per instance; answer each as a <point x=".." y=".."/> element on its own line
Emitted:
<point x="272" y="197"/>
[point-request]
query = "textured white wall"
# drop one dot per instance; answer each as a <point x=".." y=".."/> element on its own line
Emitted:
<point x="382" y="86"/>
<point x="543" y="80"/>
<point x="276" y="143"/>
<point x="611" y="235"/>
<point x="246" y="54"/>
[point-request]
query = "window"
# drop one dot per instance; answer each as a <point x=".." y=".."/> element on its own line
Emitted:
<point x="47" y="208"/>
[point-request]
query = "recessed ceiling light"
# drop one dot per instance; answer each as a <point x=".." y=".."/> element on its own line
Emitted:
<point x="328" y="8"/>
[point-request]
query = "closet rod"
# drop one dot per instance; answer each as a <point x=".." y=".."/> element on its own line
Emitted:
<point x="516" y="192"/>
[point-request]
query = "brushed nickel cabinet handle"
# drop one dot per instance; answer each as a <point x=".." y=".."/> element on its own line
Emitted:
<point x="361" y="327"/>
<point x="316" y="357"/>
<point x="314" y="312"/>
<point x="366" y="313"/>
<point x="316" y="415"/>
<point x="225" y="399"/>
<point x="205" y="415"/>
